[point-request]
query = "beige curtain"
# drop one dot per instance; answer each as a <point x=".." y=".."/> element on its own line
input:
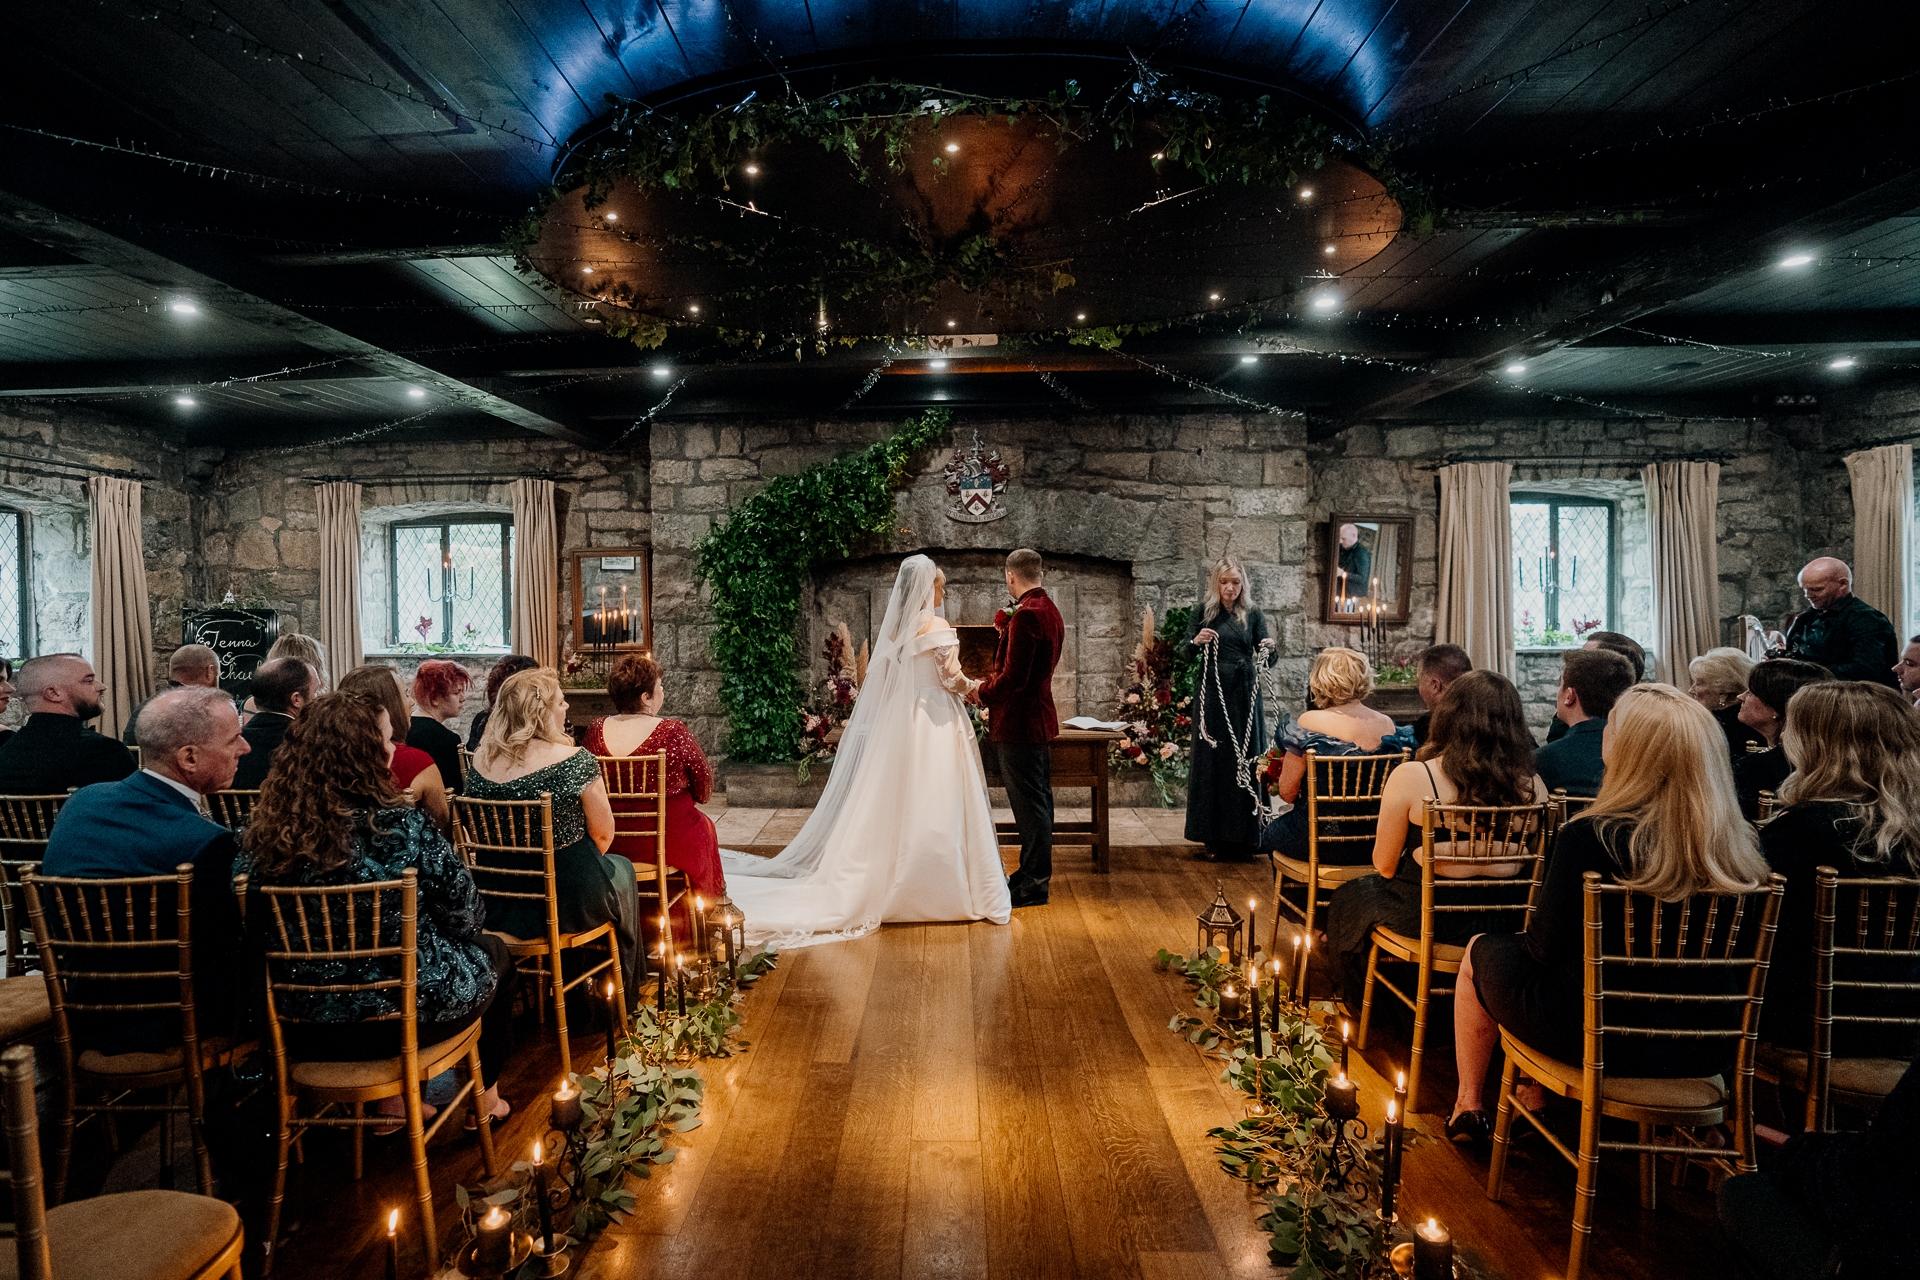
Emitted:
<point x="1883" y="529"/>
<point x="122" y="625"/>
<point x="1386" y="562"/>
<point x="536" y="572"/>
<point x="1681" y="501"/>
<point x="1475" y="608"/>
<point x="339" y="506"/>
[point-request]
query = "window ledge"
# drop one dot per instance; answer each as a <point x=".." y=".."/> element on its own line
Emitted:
<point x="469" y="653"/>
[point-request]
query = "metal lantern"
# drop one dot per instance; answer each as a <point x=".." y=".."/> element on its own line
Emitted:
<point x="1220" y="926"/>
<point x="726" y="932"/>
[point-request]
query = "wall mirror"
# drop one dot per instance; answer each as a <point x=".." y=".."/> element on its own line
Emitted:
<point x="612" y="599"/>
<point x="1368" y="569"/>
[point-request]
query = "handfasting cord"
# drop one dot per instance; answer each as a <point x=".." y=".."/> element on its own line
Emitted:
<point x="1267" y="679"/>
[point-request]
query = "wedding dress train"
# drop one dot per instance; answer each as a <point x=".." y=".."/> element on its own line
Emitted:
<point x="902" y="832"/>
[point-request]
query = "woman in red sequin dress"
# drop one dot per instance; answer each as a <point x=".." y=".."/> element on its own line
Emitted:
<point x="693" y="847"/>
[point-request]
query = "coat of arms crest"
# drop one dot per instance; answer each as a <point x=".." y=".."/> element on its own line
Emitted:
<point x="975" y="484"/>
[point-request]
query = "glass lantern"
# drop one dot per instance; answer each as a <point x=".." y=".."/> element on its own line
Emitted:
<point x="725" y="930"/>
<point x="1220" y="927"/>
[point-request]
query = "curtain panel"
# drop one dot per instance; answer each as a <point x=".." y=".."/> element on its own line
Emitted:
<point x="122" y="624"/>
<point x="1475" y="608"/>
<point x="339" y="511"/>
<point x="536" y="572"/>
<point x="1682" y="498"/>
<point x="1883" y="530"/>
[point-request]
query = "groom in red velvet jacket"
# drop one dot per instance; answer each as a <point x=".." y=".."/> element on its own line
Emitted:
<point x="1019" y="696"/>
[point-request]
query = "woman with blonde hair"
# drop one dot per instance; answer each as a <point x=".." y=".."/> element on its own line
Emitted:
<point x="1666" y="823"/>
<point x="526" y="752"/>
<point x="1221" y="813"/>
<point x="1340" y="724"/>
<point x="1717" y="678"/>
<point x="1853" y="804"/>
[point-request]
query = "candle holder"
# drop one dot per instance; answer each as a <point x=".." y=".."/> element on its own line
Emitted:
<point x="553" y="1257"/>
<point x="519" y="1249"/>
<point x="1343" y="1132"/>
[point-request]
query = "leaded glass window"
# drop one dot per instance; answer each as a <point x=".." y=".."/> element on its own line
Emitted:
<point x="13" y="585"/>
<point x="1562" y="568"/>
<point x="453" y="582"/>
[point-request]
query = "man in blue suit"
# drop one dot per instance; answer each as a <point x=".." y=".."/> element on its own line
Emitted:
<point x="147" y="825"/>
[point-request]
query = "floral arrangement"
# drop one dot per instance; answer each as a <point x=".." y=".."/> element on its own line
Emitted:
<point x="822" y="719"/>
<point x="1530" y="633"/>
<point x="468" y="641"/>
<point x="1270" y="765"/>
<point x="1157" y="734"/>
<point x="1404" y="671"/>
<point x="575" y="673"/>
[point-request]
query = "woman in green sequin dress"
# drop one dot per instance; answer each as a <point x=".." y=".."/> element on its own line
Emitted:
<point x="524" y="752"/>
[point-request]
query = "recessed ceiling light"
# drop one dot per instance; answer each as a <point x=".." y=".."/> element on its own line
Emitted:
<point x="753" y="168"/>
<point x="1844" y="362"/>
<point x="415" y="393"/>
<point x="953" y="324"/>
<point x="586" y="271"/>
<point x="695" y="308"/>
<point x="1249" y="359"/>
<point x="185" y="402"/>
<point x="1081" y="316"/>
<point x="1796" y="260"/>
<point x="183" y="307"/>
<point x="1329" y="249"/>
<point x="1159" y="155"/>
<point x="612" y="217"/>
<point x="1326" y="302"/>
<point x="952" y="147"/>
<point x="936" y="364"/>
<point x="661" y="371"/>
<point x="1213" y="297"/>
<point x="1306" y="193"/>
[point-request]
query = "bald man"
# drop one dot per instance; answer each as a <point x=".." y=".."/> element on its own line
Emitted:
<point x="1842" y="632"/>
<point x="55" y="749"/>
<point x="190" y="666"/>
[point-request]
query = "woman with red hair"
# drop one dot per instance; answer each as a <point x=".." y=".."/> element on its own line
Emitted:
<point x="693" y="846"/>
<point x="439" y="692"/>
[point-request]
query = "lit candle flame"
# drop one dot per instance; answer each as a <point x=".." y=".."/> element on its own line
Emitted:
<point x="495" y="1219"/>
<point x="1341" y="1082"/>
<point x="393" y="1222"/>
<point x="1345" y="1028"/>
<point x="536" y="1153"/>
<point x="1433" y="1227"/>
<point x="1389" y="1111"/>
<point x="1399" y="1079"/>
<point x="566" y="1091"/>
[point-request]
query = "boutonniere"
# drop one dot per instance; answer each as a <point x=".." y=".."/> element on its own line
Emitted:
<point x="1001" y="619"/>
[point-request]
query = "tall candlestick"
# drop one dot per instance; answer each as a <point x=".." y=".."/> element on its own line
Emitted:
<point x="613" y="1033"/>
<point x="393" y="1245"/>
<point x="540" y="1200"/>
<point x="699" y="926"/>
<point x="1390" y="1171"/>
<point x="1253" y="996"/>
<point x="662" y="1002"/>
<point x="1293" y="975"/>
<point x="493" y="1242"/>
<point x="1306" y="957"/>
<point x="1252" y="933"/>
<point x="1346" y="1029"/>
<point x="680" y="974"/>
<point x="733" y="961"/>
<point x="1432" y="1252"/>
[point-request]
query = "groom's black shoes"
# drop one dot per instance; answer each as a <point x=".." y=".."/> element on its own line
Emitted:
<point x="1029" y="898"/>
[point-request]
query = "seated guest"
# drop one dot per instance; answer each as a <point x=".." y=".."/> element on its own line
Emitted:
<point x="1853" y="804"/>
<point x="1833" y="1204"/>
<point x="1665" y="824"/>
<point x="413" y="769"/>
<point x="54" y="749"/>
<point x="149" y="823"/>
<point x="511" y="665"/>
<point x="525" y="752"/>
<point x="1439" y="666"/>
<point x="1763" y="708"/>
<point x="1341" y="724"/>
<point x="1906" y="671"/>
<point x="6" y="694"/>
<point x="189" y="665"/>
<point x="305" y="648"/>
<point x="1590" y="682"/>
<point x="1481" y="753"/>
<point x="1842" y="632"/>
<point x="330" y="814"/>
<point x="439" y="691"/>
<point x="693" y="846"/>
<point x="282" y="688"/>
<point x="1613" y="642"/>
<point x="1719" y="677"/>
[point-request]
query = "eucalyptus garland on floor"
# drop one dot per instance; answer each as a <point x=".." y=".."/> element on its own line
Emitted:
<point x="1318" y="1227"/>
<point x="629" y="1109"/>
<point x="756" y="561"/>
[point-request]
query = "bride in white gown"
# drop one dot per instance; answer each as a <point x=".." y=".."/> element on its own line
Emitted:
<point x="902" y="832"/>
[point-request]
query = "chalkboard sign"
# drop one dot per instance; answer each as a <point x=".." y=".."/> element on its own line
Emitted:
<point x="240" y="638"/>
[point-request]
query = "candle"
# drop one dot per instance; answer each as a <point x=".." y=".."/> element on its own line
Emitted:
<point x="1343" y="1098"/>
<point x="1251" y="932"/>
<point x="493" y="1243"/>
<point x="1346" y="1029"/>
<point x="540" y="1201"/>
<point x="1390" y="1172"/>
<point x="613" y="1033"/>
<point x="565" y="1113"/>
<point x="699" y="923"/>
<point x="680" y="980"/>
<point x="1293" y="975"/>
<point x="1276" y="1000"/>
<point x="733" y="963"/>
<point x="1432" y="1252"/>
<point x="662" y="1001"/>
<point x="1253" y="994"/>
<point x="1229" y="1005"/>
<point x="393" y="1245"/>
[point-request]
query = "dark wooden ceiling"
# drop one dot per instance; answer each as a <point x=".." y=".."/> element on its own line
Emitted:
<point x="325" y="184"/>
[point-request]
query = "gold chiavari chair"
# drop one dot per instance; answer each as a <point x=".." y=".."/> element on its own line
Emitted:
<point x="232" y="808"/>
<point x="637" y="789"/>
<point x="509" y="846"/>
<point x="466" y="764"/>
<point x="1714" y="949"/>
<point x="1474" y="858"/>
<point x="25" y="824"/>
<point x="1342" y="797"/>
<point x="110" y="948"/>
<point x="1767" y="802"/>
<point x="134" y="1235"/>
<point x="349" y="926"/>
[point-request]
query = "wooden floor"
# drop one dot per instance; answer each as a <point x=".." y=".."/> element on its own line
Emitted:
<point x="974" y="1100"/>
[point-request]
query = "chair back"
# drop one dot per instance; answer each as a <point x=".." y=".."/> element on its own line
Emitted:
<point x="508" y="844"/>
<point x="1480" y="858"/>
<point x="23" y="1164"/>
<point x="232" y="808"/>
<point x="300" y="928"/>
<point x="1343" y="798"/>
<point x="1862" y="926"/>
<point x="25" y="824"/>
<point x="1767" y="802"/>
<point x="1691" y="970"/>
<point x="116" y="947"/>
<point x="466" y="764"/>
<point x="637" y="790"/>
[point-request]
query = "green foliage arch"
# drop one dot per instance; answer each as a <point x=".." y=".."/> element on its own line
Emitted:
<point x="757" y="559"/>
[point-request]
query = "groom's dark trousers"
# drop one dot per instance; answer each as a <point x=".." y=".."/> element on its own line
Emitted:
<point x="1021" y="723"/>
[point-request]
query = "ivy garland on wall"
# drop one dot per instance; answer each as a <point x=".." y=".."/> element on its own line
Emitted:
<point x="757" y="559"/>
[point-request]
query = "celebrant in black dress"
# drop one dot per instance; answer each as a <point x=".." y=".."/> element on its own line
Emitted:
<point x="1220" y="812"/>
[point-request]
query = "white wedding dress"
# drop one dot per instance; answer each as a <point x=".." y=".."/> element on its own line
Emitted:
<point x="902" y="832"/>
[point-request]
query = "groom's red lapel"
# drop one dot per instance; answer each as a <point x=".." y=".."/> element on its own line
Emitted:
<point x="1020" y="690"/>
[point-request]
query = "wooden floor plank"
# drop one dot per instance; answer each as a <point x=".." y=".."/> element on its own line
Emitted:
<point x="946" y="1213"/>
<point x="946" y="1102"/>
<point x="1192" y="1105"/>
<point x="1026" y="1224"/>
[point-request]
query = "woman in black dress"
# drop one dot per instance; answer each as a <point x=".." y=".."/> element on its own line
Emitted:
<point x="1666" y="824"/>
<point x="1763" y="709"/>
<point x="439" y="692"/>
<point x="1853" y="804"/>
<point x="1221" y="813"/>
<point x="1716" y="679"/>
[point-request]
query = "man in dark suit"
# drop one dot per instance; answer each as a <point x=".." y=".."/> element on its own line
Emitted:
<point x="1591" y="681"/>
<point x="150" y="823"/>
<point x="281" y="688"/>
<point x="54" y="749"/>
<point x="1439" y="665"/>
<point x="1842" y="632"/>
<point x="190" y="664"/>
<point x="1022" y="722"/>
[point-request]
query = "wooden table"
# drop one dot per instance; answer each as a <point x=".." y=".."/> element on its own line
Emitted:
<point x="1078" y="759"/>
